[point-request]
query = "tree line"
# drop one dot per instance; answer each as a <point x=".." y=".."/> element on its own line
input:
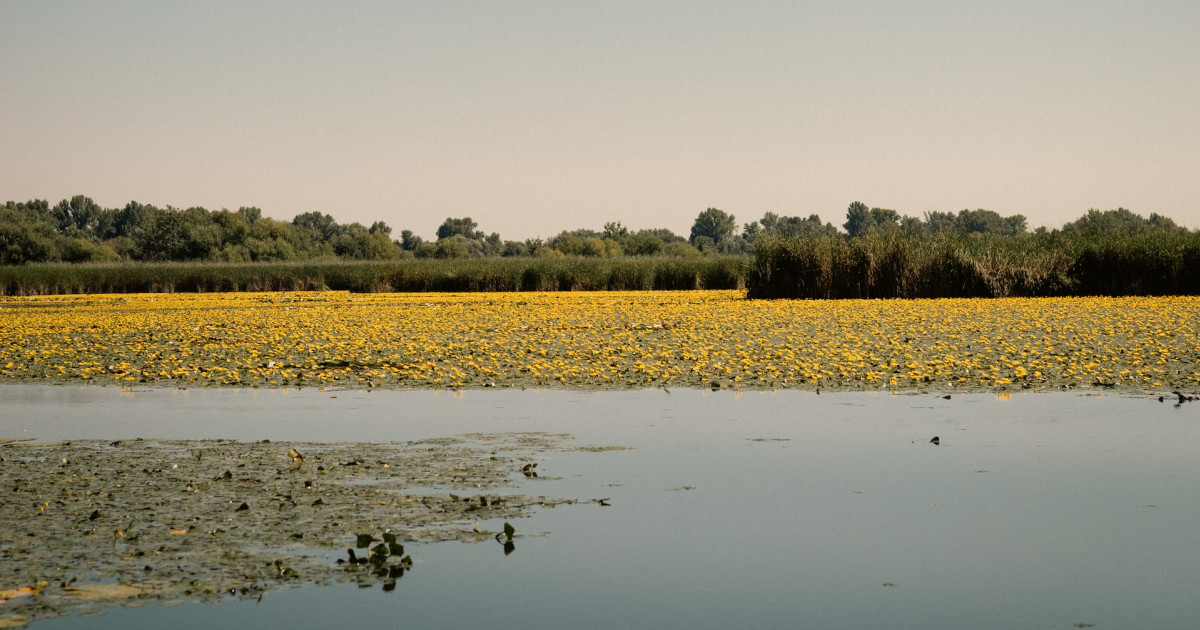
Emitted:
<point x="79" y="230"/>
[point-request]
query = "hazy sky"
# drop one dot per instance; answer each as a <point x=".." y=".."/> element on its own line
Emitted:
<point x="535" y="117"/>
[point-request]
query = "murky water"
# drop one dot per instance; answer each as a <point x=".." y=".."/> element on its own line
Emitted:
<point x="786" y="509"/>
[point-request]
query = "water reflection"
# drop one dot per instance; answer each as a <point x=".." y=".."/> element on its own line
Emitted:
<point x="765" y="510"/>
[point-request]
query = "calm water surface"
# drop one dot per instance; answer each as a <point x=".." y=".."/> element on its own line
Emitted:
<point x="771" y="510"/>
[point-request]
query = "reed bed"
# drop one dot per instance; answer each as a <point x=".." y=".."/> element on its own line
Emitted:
<point x="1037" y="265"/>
<point x="492" y="274"/>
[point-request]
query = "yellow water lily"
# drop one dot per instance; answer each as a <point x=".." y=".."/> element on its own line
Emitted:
<point x="598" y="340"/>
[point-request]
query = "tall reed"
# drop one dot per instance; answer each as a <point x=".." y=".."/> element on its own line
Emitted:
<point x="976" y="265"/>
<point x="488" y="274"/>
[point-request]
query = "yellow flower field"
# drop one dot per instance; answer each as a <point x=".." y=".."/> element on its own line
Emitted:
<point x="599" y="340"/>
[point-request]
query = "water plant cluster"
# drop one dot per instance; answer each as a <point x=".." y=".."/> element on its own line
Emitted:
<point x="153" y="521"/>
<point x="698" y="339"/>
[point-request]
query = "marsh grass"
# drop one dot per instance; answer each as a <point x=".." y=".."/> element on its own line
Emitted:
<point x="494" y="274"/>
<point x="1038" y="265"/>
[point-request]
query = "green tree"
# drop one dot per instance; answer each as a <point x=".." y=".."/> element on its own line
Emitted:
<point x="493" y="245"/>
<point x="22" y="243"/>
<point x="705" y="244"/>
<point x="464" y="226"/>
<point x="271" y="240"/>
<point x="912" y="226"/>
<point x="884" y="219"/>
<point x="1119" y="221"/>
<point x="80" y="250"/>
<point x="426" y="249"/>
<point x="159" y="235"/>
<point x="1015" y="225"/>
<point x="357" y="242"/>
<point x="321" y="225"/>
<point x="776" y="225"/>
<point x="250" y="213"/>
<point x="409" y="241"/>
<point x="232" y="226"/>
<point x="594" y="247"/>
<point x="569" y="244"/>
<point x="680" y="249"/>
<point x="456" y="246"/>
<point x="714" y="224"/>
<point x="940" y="221"/>
<point x="515" y="249"/>
<point x="644" y="244"/>
<point x="615" y="231"/>
<point x="858" y="219"/>
<point x="133" y="218"/>
<point x="78" y="216"/>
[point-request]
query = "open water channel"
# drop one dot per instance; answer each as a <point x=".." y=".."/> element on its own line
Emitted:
<point x="765" y="510"/>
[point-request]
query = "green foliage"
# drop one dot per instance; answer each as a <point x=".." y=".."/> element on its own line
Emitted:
<point x="713" y="224"/>
<point x="79" y="230"/>
<point x="772" y="224"/>
<point x="966" y="221"/>
<point x="953" y="264"/>
<point x="385" y="561"/>
<point x="881" y="254"/>
<point x="1118" y="222"/>
<point x="464" y="227"/>
<point x="680" y="249"/>
<point x="418" y="275"/>
<point x="20" y="243"/>
<point x="861" y="222"/>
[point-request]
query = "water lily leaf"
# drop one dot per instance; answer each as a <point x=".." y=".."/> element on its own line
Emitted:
<point x="14" y="593"/>
<point x="364" y="541"/>
<point x="94" y="592"/>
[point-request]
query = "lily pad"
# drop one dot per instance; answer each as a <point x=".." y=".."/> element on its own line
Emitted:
<point x="147" y="521"/>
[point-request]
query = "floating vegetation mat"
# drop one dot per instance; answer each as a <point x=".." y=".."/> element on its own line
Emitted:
<point x="154" y="521"/>
<point x="608" y="340"/>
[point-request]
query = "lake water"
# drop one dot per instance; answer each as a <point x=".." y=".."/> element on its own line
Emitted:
<point x="766" y="510"/>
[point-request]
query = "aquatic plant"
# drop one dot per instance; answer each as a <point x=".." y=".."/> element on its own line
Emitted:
<point x="421" y="275"/>
<point x="895" y="265"/>
<point x="701" y="339"/>
<point x="142" y="521"/>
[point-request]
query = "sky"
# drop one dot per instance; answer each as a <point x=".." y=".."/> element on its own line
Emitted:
<point x="538" y="117"/>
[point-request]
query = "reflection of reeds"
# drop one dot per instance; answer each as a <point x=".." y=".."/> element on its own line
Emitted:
<point x="1036" y="265"/>
<point x="493" y="274"/>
